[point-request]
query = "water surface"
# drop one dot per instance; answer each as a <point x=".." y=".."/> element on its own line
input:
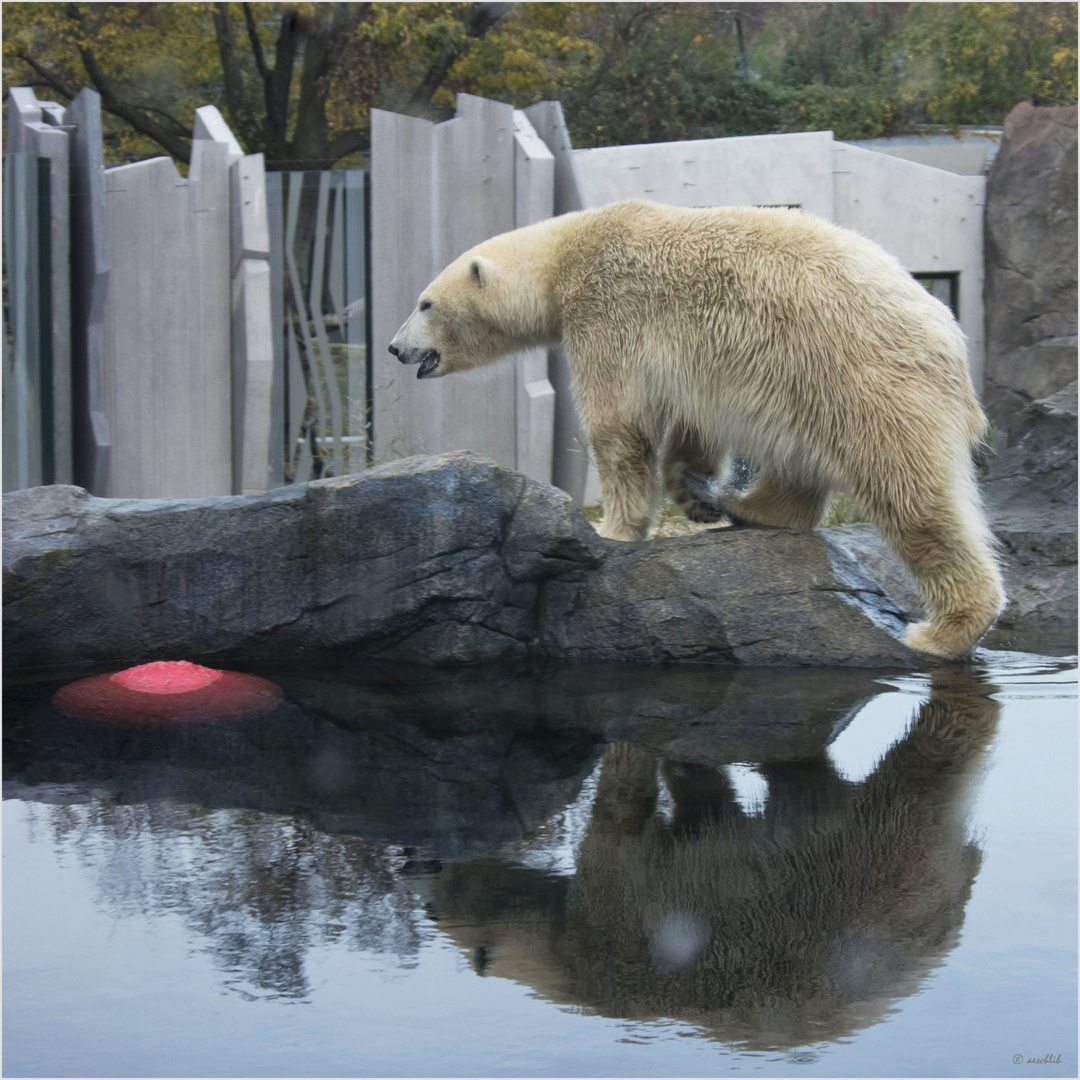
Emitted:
<point x="580" y="872"/>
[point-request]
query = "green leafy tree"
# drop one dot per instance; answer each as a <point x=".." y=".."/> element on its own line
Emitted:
<point x="659" y="72"/>
<point x="298" y="81"/>
<point x="295" y="82"/>
<point x="979" y="60"/>
<point x="866" y="70"/>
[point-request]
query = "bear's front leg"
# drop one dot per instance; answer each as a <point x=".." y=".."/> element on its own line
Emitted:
<point x="625" y="458"/>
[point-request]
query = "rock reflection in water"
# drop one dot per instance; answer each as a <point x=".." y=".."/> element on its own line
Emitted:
<point x="797" y="925"/>
<point x="320" y="824"/>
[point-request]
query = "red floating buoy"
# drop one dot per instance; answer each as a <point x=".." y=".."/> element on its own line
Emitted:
<point x="168" y="690"/>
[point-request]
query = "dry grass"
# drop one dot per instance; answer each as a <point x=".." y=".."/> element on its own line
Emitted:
<point x="844" y="511"/>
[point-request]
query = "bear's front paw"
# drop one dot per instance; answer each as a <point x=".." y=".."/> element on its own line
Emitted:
<point x="614" y="530"/>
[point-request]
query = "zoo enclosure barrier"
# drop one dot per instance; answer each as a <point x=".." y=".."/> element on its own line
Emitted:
<point x="210" y="334"/>
<point x="177" y="337"/>
<point x="137" y="359"/>
<point x="319" y="272"/>
<point x="226" y="332"/>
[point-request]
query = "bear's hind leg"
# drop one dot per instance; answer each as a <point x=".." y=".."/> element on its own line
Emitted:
<point x="788" y="506"/>
<point x="691" y="477"/>
<point x="948" y="547"/>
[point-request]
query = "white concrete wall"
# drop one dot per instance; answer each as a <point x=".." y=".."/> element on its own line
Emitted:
<point x="968" y="159"/>
<point x="534" y="188"/>
<point x="33" y="127"/>
<point x="436" y="191"/>
<point x="162" y="343"/>
<point x="569" y="463"/>
<point x="929" y="219"/>
<point x="252" y="346"/>
<point x="168" y="376"/>
<point x="92" y="445"/>
<point x="761" y="170"/>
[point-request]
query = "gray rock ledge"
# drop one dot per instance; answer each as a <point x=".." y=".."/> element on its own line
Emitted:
<point x="430" y="560"/>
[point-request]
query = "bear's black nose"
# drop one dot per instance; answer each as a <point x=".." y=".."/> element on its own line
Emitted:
<point x="394" y="350"/>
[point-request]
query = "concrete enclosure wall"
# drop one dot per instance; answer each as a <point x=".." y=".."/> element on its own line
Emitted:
<point x="161" y="336"/>
<point x="761" y="170"/>
<point x="38" y="127"/>
<point x="436" y="191"/>
<point x="168" y="392"/>
<point x="166" y="385"/>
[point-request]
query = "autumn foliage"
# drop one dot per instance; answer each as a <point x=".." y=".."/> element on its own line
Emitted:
<point x="297" y="81"/>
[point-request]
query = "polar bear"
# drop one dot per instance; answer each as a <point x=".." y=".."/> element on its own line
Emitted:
<point x="696" y="334"/>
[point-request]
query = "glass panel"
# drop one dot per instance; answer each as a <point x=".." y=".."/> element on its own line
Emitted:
<point x="318" y="238"/>
<point x="945" y="287"/>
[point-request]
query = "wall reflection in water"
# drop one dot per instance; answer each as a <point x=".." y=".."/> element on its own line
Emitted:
<point x="363" y="812"/>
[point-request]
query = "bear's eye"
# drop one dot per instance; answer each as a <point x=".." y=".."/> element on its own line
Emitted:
<point x="425" y="304"/>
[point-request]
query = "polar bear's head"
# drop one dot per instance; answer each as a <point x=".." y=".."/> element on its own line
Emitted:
<point x="491" y="301"/>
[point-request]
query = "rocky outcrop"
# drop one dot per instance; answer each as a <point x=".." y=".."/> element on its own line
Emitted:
<point x="1029" y="488"/>
<point x="1030" y="288"/>
<point x="1030" y="492"/>
<point x="447" y="559"/>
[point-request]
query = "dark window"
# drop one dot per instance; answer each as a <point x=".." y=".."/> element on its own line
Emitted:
<point x="946" y="287"/>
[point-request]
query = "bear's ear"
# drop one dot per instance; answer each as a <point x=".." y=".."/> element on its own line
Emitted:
<point x="482" y="271"/>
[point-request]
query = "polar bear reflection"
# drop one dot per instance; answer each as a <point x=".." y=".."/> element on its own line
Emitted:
<point x="794" y="925"/>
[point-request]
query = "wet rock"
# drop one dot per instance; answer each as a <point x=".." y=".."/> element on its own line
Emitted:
<point x="1030" y="289"/>
<point x="432" y="560"/>
<point x="1031" y="482"/>
<point x="731" y="596"/>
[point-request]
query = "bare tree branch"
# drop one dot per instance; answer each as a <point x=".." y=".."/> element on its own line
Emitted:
<point x="256" y="44"/>
<point x="240" y="113"/>
<point x="349" y="142"/>
<point x="276" y="83"/>
<point x="483" y="18"/>
<point x="133" y="114"/>
<point x="47" y="78"/>
<point x="178" y="127"/>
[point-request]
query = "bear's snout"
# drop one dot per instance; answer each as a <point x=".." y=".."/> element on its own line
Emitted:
<point x="428" y="359"/>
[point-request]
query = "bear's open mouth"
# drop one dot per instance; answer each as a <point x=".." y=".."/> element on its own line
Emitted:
<point x="428" y="363"/>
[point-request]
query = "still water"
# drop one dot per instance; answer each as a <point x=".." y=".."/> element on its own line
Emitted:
<point x="580" y="872"/>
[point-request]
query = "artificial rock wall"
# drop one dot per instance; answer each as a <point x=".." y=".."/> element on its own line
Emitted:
<point x="1031" y="251"/>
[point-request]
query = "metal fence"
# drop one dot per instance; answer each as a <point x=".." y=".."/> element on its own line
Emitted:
<point x="27" y="323"/>
<point x="320" y="312"/>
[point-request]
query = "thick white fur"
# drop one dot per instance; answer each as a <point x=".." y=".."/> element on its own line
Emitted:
<point x="697" y="334"/>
